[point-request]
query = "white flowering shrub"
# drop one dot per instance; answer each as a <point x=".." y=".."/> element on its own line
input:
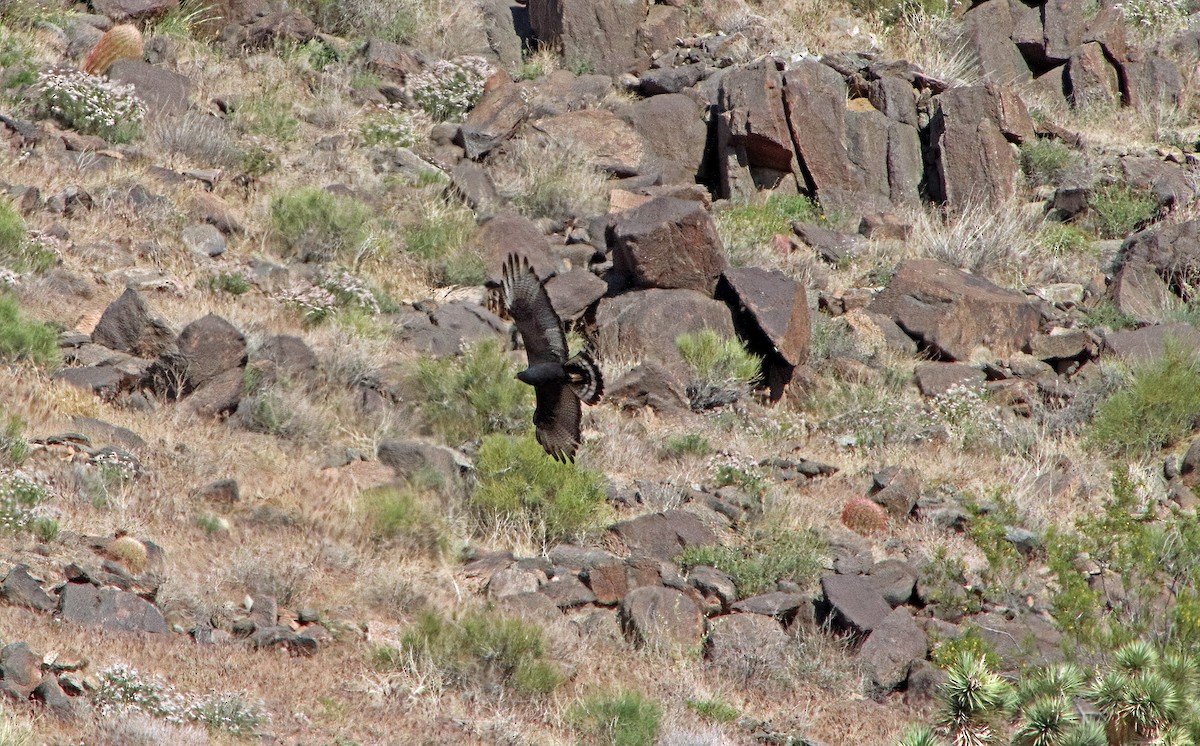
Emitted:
<point x="123" y="690"/>
<point x="1157" y="14"/>
<point x="91" y="105"/>
<point x="20" y="496"/>
<point x="967" y="417"/>
<point x="733" y="470"/>
<point x="393" y="125"/>
<point x="448" y="89"/>
<point x="348" y="290"/>
<point x="314" y="303"/>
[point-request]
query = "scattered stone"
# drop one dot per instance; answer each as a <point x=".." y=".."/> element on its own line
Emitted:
<point x="204" y="239"/>
<point x="661" y="618"/>
<point x="22" y="589"/>
<point x="891" y="648"/>
<point x="20" y="671"/>
<point x="663" y="535"/>
<point x="128" y="325"/>
<point x="851" y="604"/>
<point x="111" y="608"/>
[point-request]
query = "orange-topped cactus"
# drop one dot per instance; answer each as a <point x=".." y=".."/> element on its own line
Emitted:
<point x="122" y="42"/>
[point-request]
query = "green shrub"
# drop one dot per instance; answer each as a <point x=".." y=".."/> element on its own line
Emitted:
<point x="1046" y="161"/>
<point x="439" y="239"/>
<point x="717" y="710"/>
<point x="746" y="229"/>
<point x="269" y="113"/>
<point x="1118" y="210"/>
<point x="624" y="719"/>
<point x="691" y="444"/>
<point x="1106" y="314"/>
<point x="481" y="647"/>
<point x="17" y="65"/>
<point x="1159" y="405"/>
<point x="393" y="512"/>
<point x="722" y="370"/>
<point x="24" y="339"/>
<point x="474" y="395"/>
<point x="767" y="557"/>
<point x="392" y="126"/>
<point x="319" y="225"/>
<point x="234" y="283"/>
<point x="18" y="252"/>
<point x="13" y="444"/>
<point x="20" y="495"/>
<point x="520" y="486"/>
<point x="1061" y="239"/>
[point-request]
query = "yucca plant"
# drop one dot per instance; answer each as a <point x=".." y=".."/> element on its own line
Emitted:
<point x="976" y="700"/>
<point x="920" y="736"/>
<point x="1044" y="721"/>
<point x="1085" y="733"/>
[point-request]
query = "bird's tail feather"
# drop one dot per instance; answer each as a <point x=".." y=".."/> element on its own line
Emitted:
<point x="584" y="376"/>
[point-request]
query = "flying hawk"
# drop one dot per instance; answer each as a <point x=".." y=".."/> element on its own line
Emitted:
<point x="559" y="381"/>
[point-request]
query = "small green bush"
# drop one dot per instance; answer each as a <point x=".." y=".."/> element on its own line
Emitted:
<point x="393" y="512"/>
<point x="474" y="395"/>
<point x="717" y="710"/>
<point x="268" y="113"/>
<point x="1106" y="314"/>
<point x="722" y="370"/>
<point x="481" y="647"/>
<point x="624" y="719"/>
<point x="393" y="126"/>
<point x="18" y="252"/>
<point x="319" y="225"/>
<point x="234" y="283"/>
<point x="13" y="445"/>
<point x="23" y="339"/>
<point x="767" y="557"/>
<point x="522" y="487"/>
<point x="691" y="444"/>
<point x="1046" y="161"/>
<point x="439" y="239"/>
<point x="1158" y="406"/>
<point x="746" y="229"/>
<point x="1061" y="239"/>
<point x="1118" y="210"/>
<point x="20" y="495"/>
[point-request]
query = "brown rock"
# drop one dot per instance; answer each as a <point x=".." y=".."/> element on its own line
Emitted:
<point x="1172" y="249"/>
<point x="1139" y="292"/>
<point x="220" y="395"/>
<point x="1149" y="343"/>
<point x="128" y="325"/>
<point x="1151" y="79"/>
<point x="608" y="142"/>
<point x="20" y="670"/>
<point x="937" y="379"/>
<point x="953" y="312"/>
<point x="668" y="243"/>
<point x="891" y="648"/>
<point x="973" y="162"/>
<point x="1063" y="28"/>
<point x="754" y="141"/>
<point x="988" y="29"/>
<point x="22" y="589"/>
<point x="815" y="97"/>
<point x="673" y="128"/>
<point x="644" y="325"/>
<point x="573" y="293"/>
<point x="126" y="10"/>
<point x="1092" y="79"/>
<point x="778" y="307"/>
<point x="661" y="619"/>
<point x="851" y="604"/>
<point x="747" y="643"/>
<point x="649" y="384"/>
<point x="164" y="91"/>
<point x="503" y="106"/>
<point x="599" y="34"/>
<point x="511" y="233"/>
<point x="208" y="347"/>
<point x="281" y="24"/>
<point x="608" y="583"/>
<point x="663" y="535"/>
<point x="110" y="608"/>
<point x="897" y="488"/>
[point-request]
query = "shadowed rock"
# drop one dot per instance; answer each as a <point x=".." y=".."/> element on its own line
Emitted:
<point x="668" y="243"/>
<point x="661" y="619"/>
<point x="128" y="325"/>
<point x="110" y="608"/>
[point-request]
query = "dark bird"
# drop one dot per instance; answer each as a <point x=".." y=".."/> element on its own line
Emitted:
<point x="559" y="381"/>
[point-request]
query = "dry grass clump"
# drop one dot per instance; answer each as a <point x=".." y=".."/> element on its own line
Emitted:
<point x="205" y="140"/>
<point x="993" y="241"/>
<point x="438" y="27"/>
<point x="551" y="180"/>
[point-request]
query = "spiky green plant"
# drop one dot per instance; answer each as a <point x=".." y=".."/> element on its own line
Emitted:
<point x="976" y="699"/>
<point x="1085" y="733"/>
<point x="1044" y="721"/>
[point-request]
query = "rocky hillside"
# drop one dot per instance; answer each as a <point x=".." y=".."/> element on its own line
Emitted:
<point x="894" y="299"/>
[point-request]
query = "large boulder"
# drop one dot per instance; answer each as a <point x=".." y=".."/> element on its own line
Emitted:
<point x="1173" y="250"/>
<point x="891" y="648"/>
<point x="609" y="143"/>
<point x="644" y="326"/>
<point x="851" y="604"/>
<point x="668" y="243"/>
<point x="754" y="139"/>
<point x="208" y="347"/>
<point x="662" y="618"/>
<point x="815" y="99"/>
<point x="512" y="233"/>
<point x="110" y="608"/>
<point x="747" y="643"/>
<point x="1091" y="78"/>
<point x="598" y="34"/>
<point x="773" y="316"/>
<point x="973" y="162"/>
<point x="128" y="325"/>
<point x="663" y="535"/>
<point x="163" y="91"/>
<point x="20" y="670"/>
<point x="953" y="313"/>
<point x="502" y="107"/>
<point x="987" y="31"/>
<point x="675" y="133"/>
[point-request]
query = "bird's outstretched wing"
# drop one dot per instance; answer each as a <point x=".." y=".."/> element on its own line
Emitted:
<point x="526" y="301"/>
<point x="557" y="419"/>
